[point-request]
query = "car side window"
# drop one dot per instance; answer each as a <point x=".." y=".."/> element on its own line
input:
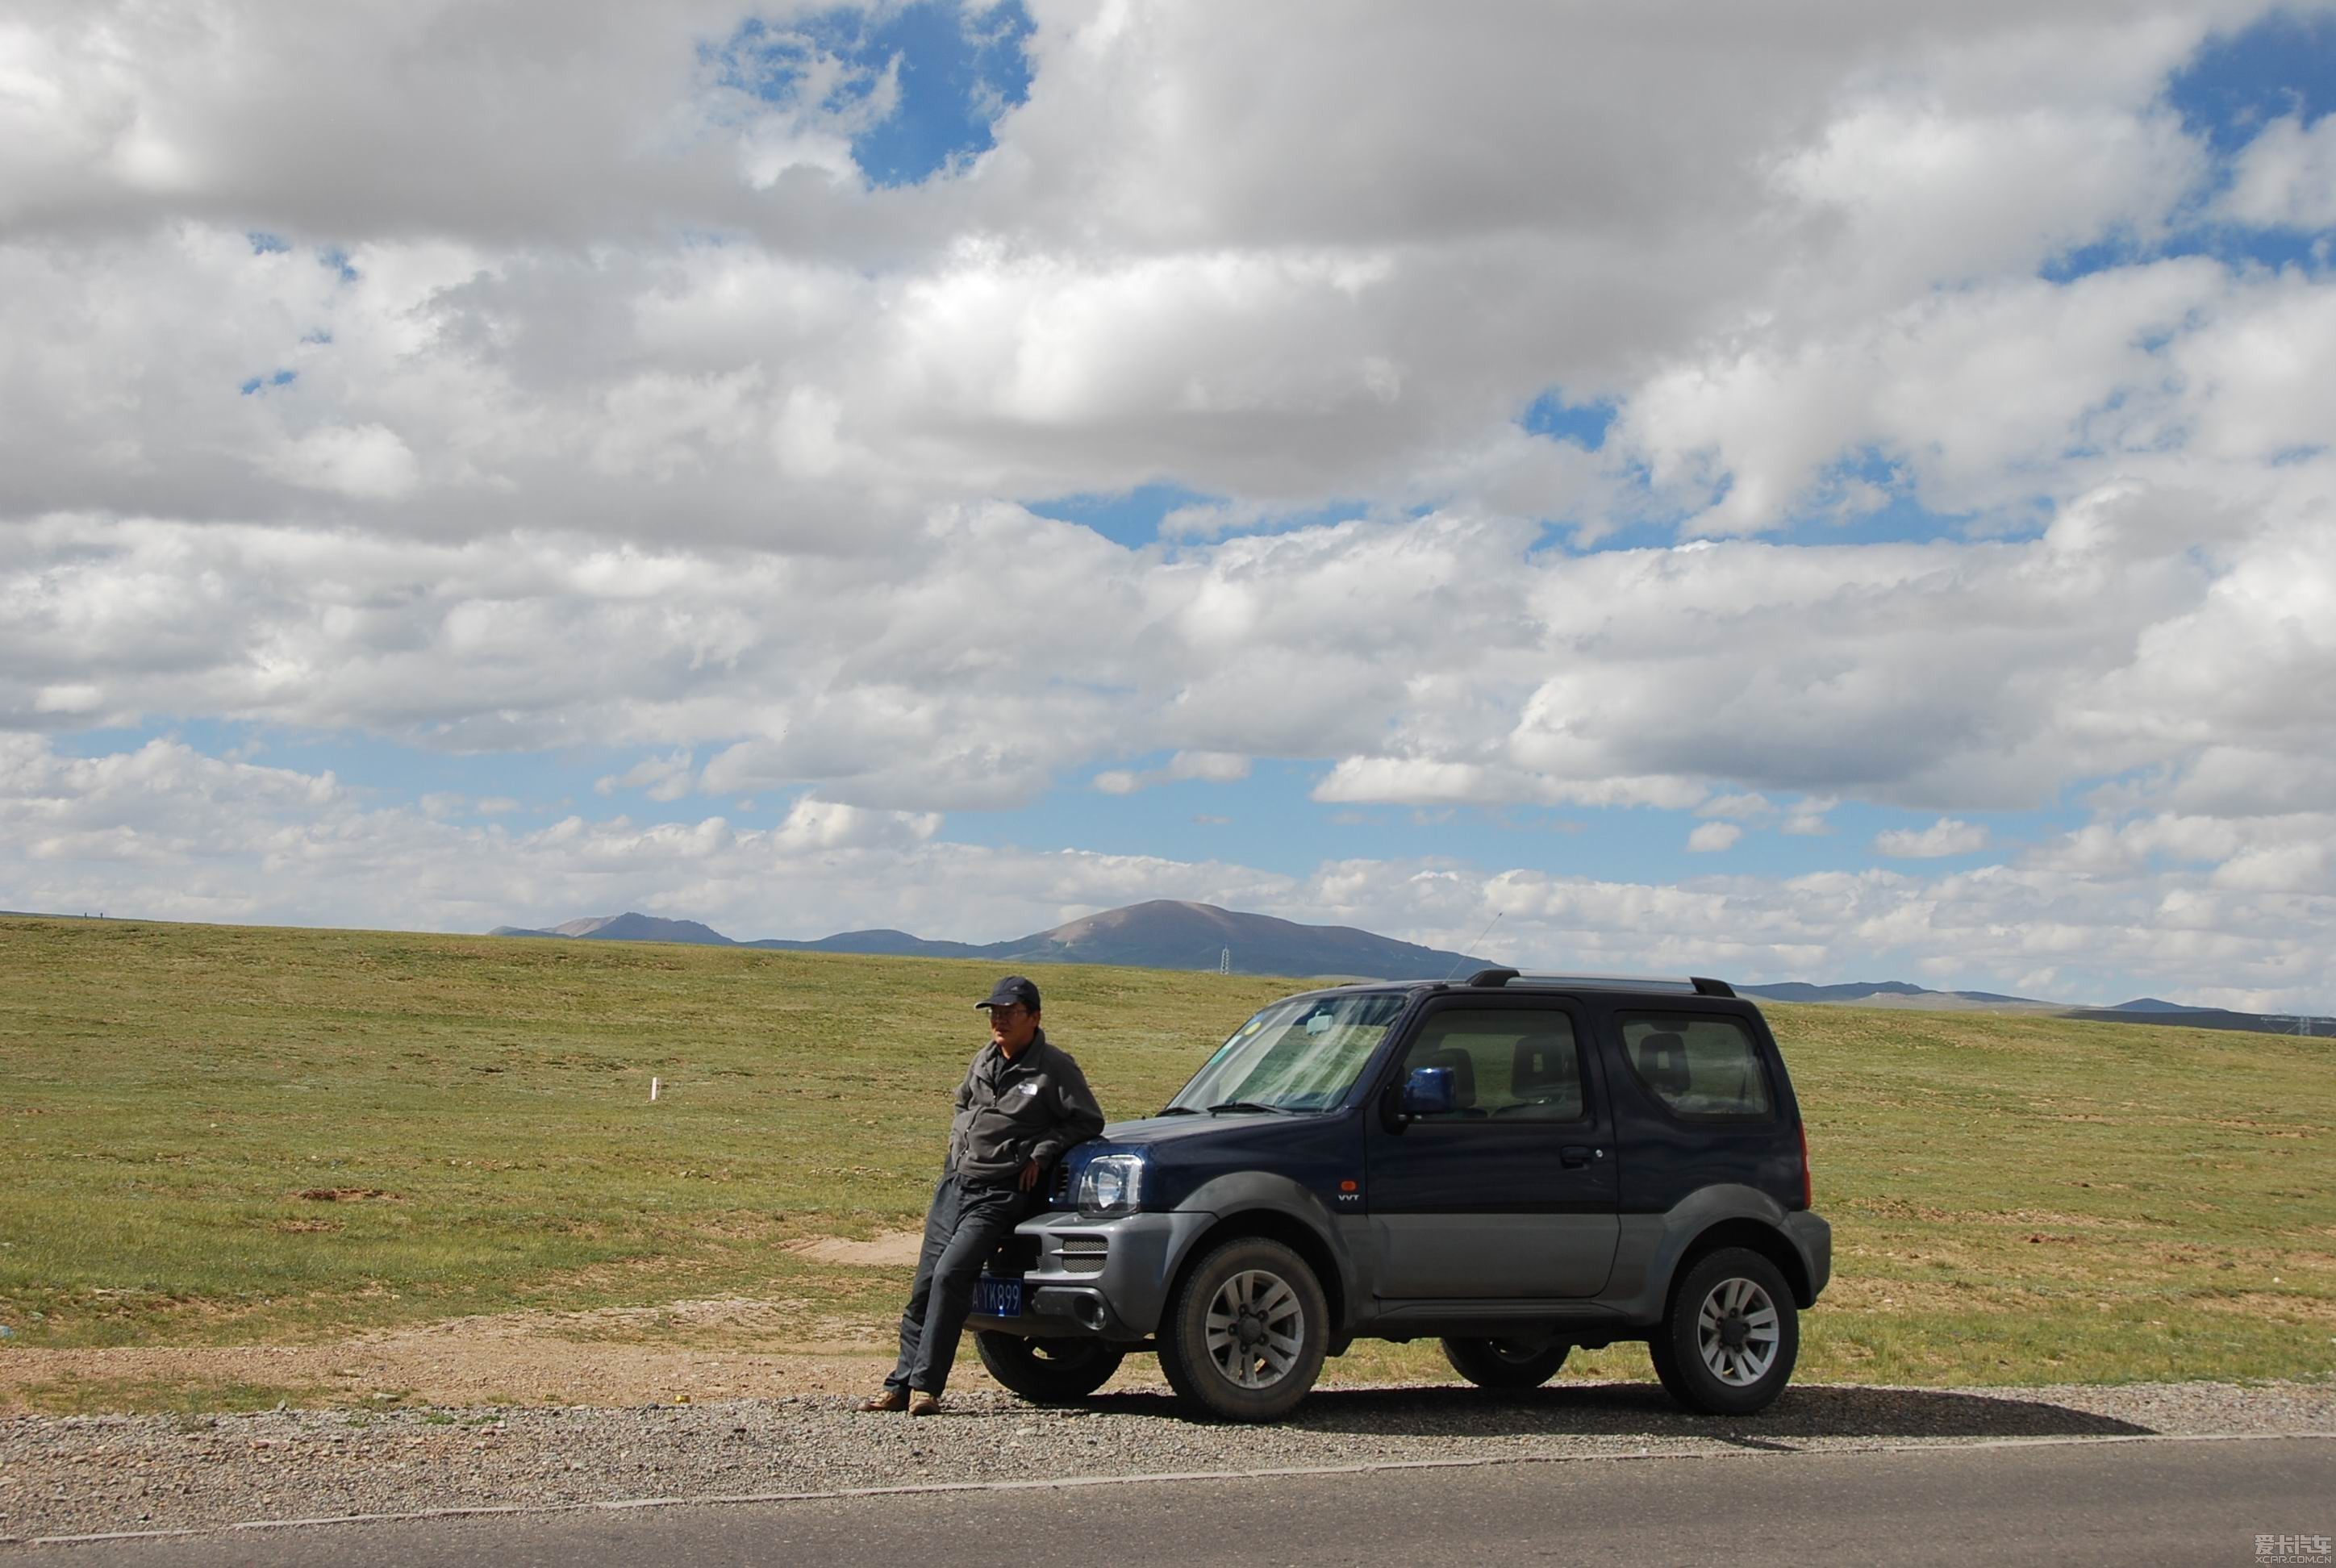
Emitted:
<point x="1705" y="1068"/>
<point x="1509" y="1063"/>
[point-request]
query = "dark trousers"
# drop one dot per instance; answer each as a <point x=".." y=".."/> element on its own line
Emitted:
<point x="962" y="1228"/>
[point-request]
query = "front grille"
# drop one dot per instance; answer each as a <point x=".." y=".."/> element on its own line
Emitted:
<point x="1084" y="1254"/>
<point x="1061" y="1190"/>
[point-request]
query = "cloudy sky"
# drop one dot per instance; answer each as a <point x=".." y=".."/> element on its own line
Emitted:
<point x="1828" y="490"/>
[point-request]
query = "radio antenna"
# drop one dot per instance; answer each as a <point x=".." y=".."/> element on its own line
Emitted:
<point x="1480" y="937"/>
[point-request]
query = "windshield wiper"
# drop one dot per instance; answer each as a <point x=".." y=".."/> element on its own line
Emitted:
<point x="1245" y="1106"/>
<point x="1176" y="1111"/>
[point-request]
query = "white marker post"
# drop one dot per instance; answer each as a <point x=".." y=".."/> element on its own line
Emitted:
<point x="653" y="1089"/>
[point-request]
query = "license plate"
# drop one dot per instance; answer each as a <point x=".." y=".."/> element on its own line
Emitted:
<point x="994" y="1298"/>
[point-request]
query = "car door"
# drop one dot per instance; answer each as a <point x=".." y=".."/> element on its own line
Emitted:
<point x="1512" y="1193"/>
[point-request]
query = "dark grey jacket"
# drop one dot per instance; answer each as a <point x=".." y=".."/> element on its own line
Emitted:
<point x="1011" y="1113"/>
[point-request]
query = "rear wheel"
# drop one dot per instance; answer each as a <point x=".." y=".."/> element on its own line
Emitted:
<point x="1047" y="1371"/>
<point x="1244" y="1337"/>
<point x="1727" y="1346"/>
<point x="1506" y="1363"/>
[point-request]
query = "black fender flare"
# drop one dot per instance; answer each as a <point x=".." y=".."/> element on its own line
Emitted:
<point x="1722" y="1215"/>
<point x="1263" y="1202"/>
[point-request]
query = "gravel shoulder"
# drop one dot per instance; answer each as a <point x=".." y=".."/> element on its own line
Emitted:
<point x="85" y="1474"/>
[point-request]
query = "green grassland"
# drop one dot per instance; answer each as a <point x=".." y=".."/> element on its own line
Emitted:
<point x="218" y="1134"/>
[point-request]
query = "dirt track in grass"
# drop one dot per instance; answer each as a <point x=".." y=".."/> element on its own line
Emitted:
<point x="701" y="1351"/>
<point x="692" y="1351"/>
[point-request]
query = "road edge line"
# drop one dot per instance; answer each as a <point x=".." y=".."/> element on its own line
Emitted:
<point x="1062" y="1483"/>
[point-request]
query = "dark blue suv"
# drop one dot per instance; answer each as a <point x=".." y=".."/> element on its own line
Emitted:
<point x="1514" y="1165"/>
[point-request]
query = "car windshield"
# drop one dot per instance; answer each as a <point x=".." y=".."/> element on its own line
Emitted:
<point x="1300" y="1055"/>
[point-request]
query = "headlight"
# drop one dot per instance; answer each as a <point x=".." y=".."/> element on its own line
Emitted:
<point x="1111" y="1183"/>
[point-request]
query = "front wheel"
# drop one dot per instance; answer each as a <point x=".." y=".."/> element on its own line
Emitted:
<point x="1244" y="1337"/>
<point x="1505" y="1363"/>
<point x="1047" y="1371"/>
<point x="1727" y="1345"/>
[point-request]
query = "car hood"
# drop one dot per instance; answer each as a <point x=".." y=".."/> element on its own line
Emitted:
<point x="1175" y="1140"/>
<point x="1184" y="1153"/>
<point x="1151" y="1131"/>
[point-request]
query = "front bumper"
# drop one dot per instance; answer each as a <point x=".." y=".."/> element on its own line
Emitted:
<point x="1099" y="1278"/>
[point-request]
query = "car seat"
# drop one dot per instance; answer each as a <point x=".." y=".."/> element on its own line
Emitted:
<point x="1543" y="1068"/>
<point x="1662" y="1062"/>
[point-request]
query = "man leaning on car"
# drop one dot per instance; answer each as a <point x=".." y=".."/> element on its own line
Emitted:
<point x="1023" y="1103"/>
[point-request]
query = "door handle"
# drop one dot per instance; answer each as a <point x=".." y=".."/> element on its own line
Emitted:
<point x="1574" y="1155"/>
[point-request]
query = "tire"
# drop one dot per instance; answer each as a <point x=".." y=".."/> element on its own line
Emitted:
<point x="1245" y="1372"/>
<point x="1733" y="1294"/>
<point x="1047" y="1371"/>
<point x="1508" y="1364"/>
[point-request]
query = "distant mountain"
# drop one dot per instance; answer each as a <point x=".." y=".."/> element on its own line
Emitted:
<point x="883" y="942"/>
<point x="1850" y="991"/>
<point x="627" y="928"/>
<point x="2142" y="1010"/>
<point x="1165" y="934"/>
<point x="1897" y="994"/>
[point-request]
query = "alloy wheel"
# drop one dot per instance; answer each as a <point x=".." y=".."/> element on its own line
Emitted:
<point x="1256" y="1329"/>
<point x="1737" y="1331"/>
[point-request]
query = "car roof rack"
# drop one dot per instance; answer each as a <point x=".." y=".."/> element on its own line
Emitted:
<point x="1693" y="985"/>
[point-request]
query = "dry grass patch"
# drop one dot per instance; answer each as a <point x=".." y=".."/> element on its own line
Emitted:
<point x="889" y="1250"/>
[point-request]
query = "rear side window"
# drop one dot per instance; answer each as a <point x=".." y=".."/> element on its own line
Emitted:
<point x="1515" y="1063"/>
<point x="1701" y="1068"/>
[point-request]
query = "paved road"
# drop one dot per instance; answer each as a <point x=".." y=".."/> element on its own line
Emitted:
<point x="2154" y="1501"/>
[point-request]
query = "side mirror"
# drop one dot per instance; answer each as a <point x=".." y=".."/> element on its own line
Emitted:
<point x="1428" y="1093"/>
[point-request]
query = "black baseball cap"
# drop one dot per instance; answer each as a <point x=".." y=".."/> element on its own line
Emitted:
<point x="1013" y="989"/>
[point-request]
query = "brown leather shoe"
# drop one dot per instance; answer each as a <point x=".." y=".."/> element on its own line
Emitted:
<point x="923" y="1404"/>
<point x="890" y="1400"/>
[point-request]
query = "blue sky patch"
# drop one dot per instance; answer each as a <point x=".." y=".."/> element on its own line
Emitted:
<point x="1873" y="498"/>
<point x="2282" y="64"/>
<point x="1129" y="517"/>
<point x="2234" y="245"/>
<point x="266" y="244"/>
<point x="1133" y="518"/>
<point x="956" y="71"/>
<point x="1583" y="423"/>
